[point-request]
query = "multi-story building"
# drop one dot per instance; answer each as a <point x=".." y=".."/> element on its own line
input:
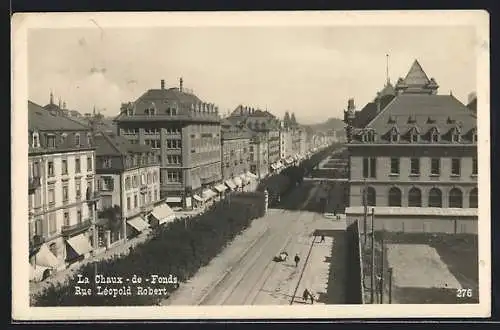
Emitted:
<point x="185" y="134"/>
<point x="259" y="160"/>
<point x="62" y="202"/>
<point x="413" y="159"/>
<point x="128" y="179"/>
<point x="235" y="155"/>
<point x="263" y="123"/>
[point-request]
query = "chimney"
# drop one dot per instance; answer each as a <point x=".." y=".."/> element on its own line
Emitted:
<point x="162" y="84"/>
<point x="350" y="104"/>
<point x="51" y="98"/>
<point x="180" y="84"/>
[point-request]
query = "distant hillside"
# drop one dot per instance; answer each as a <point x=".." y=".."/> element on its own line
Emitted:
<point x="331" y="123"/>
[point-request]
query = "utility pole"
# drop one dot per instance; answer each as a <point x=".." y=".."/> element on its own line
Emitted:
<point x="372" y="298"/>
<point x="382" y="272"/>
<point x="365" y="214"/>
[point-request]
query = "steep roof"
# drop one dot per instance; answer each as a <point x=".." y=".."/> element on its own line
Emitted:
<point x="423" y="112"/>
<point x="44" y="120"/>
<point x="110" y="144"/>
<point x="416" y="75"/>
<point x="370" y="110"/>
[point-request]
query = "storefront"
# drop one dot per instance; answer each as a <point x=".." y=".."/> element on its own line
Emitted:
<point x="174" y="201"/>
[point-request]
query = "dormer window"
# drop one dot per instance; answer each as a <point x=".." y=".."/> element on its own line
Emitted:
<point x="394" y="135"/>
<point x="36" y="140"/>
<point x="77" y="139"/>
<point x="455" y="135"/>
<point x="130" y="112"/>
<point x="414" y="137"/>
<point x="174" y="112"/>
<point x="63" y="138"/>
<point x="150" y="111"/>
<point x="414" y="134"/>
<point x="89" y="139"/>
<point x="474" y="136"/>
<point x="51" y="141"/>
<point x="434" y="135"/>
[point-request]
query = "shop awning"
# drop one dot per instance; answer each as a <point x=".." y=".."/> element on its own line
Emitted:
<point x="198" y="198"/>
<point x="220" y="188"/>
<point x="237" y="181"/>
<point x="251" y="175"/>
<point x="208" y="193"/>
<point x="230" y="184"/>
<point x="80" y="244"/>
<point x="163" y="213"/>
<point x="45" y="258"/>
<point x="174" y="199"/>
<point x="138" y="223"/>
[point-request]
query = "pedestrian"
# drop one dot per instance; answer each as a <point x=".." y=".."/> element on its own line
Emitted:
<point x="311" y="297"/>
<point x="296" y="259"/>
<point x="322" y="238"/>
<point x="305" y="295"/>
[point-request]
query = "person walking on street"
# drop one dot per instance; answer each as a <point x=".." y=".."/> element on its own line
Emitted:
<point x="311" y="297"/>
<point x="322" y="238"/>
<point x="305" y="295"/>
<point x="296" y="259"/>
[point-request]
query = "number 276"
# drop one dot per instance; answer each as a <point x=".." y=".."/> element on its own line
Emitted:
<point x="462" y="293"/>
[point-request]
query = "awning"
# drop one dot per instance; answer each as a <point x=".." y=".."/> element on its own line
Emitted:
<point x="45" y="258"/>
<point x="138" y="223"/>
<point x="251" y="175"/>
<point x="163" y="213"/>
<point x="244" y="178"/>
<point x="220" y="188"/>
<point x="174" y="199"/>
<point x="80" y="244"/>
<point x="198" y="198"/>
<point x="237" y="181"/>
<point x="208" y="193"/>
<point x="230" y="184"/>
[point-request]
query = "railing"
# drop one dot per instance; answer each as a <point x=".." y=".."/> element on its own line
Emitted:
<point x="33" y="183"/>
<point x="78" y="228"/>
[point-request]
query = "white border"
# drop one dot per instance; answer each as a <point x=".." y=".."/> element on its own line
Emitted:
<point x="22" y="22"/>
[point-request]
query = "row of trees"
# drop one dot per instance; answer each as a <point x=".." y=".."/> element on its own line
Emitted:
<point x="179" y="248"/>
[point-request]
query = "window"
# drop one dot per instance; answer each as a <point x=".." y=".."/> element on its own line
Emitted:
<point x="474" y="137"/>
<point x="434" y="136"/>
<point x="52" y="195"/>
<point x="89" y="164"/>
<point x="149" y="196"/>
<point x="415" y="166"/>
<point x="106" y="163"/>
<point x="36" y="140"/>
<point x="65" y="193"/>
<point x="395" y="166"/>
<point x="50" y="169"/>
<point x="89" y="139"/>
<point x="127" y="183"/>
<point x="135" y="201"/>
<point x="474" y="166"/>
<point x="128" y="203"/>
<point x="51" y="141"/>
<point x="414" y="136"/>
<point x="52" y="223"/>
<point x="455" y="198"/>
<point x="415" y="198"/>
<point x="435" y="198"/>
<point x="369" y="167"/>
<point x="79" y="216"/>
<point x="435" y="166"/>
<point x="77" y="139"/>
<point x="173" y="144"/>
<point x="370" y="195"/>
<point x="455" y="166"/>
<point x="38" y="227"/>
<point x="66" y="218"/>
<point x="394" y="135"/>
<point x="394" y="197"/>
<point x="156" y="195"/>
<point x="173" y="176"/>
<point x="455" y="136"/>
<point x="77" y="165"/>
<point x="64" y="167"/>
<point x="473" y="198"/>
<point x="78" y="189"/>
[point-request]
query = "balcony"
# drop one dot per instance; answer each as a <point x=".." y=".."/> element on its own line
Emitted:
<point x="76" y="229"/>
<point x="33" y="183"/>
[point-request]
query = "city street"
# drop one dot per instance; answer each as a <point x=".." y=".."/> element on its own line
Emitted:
<point x="245" y="273"/>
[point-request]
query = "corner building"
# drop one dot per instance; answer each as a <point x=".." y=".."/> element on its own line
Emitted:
<point x="413" y="159"/>
<point x="185" y="134"/>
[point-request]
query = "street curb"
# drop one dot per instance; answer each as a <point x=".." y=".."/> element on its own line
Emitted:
<point x="230" y="268"/>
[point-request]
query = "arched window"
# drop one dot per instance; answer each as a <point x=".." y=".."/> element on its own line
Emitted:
<point x="455" y="198"/>
<point x="394" y="135"/>
<point x="473" y="198"/>
<point x="89" y="139"/>
<point x="77" y="139"/>
<point x="415" y="197"/>
<point x="36" y="140"/>
<point x="455" y="135"/>
<point x="435" y="198"/>
<point x="394" y="196"/>
<point x="434" y="133"/>
<point x="371" y="196"/>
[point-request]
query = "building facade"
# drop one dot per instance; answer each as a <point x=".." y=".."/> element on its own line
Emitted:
<point x="259" y="160"/>
<point x="185" y="134"/>
<point x="414" y="159"/>
<point x="128" y="179"/>
<point x="235" y="151"/>
<point x="61" y="200"/>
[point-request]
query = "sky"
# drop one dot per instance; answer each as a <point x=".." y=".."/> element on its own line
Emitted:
<point x="311" y="71"/>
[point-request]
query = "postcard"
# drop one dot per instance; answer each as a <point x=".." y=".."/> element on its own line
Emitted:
<point x="250" y="165"/>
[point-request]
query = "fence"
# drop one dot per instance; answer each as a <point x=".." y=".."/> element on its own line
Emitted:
<point x="354" y="266"/>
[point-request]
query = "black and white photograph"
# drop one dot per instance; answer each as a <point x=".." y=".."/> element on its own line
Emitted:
<point x="250" y="165"/>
